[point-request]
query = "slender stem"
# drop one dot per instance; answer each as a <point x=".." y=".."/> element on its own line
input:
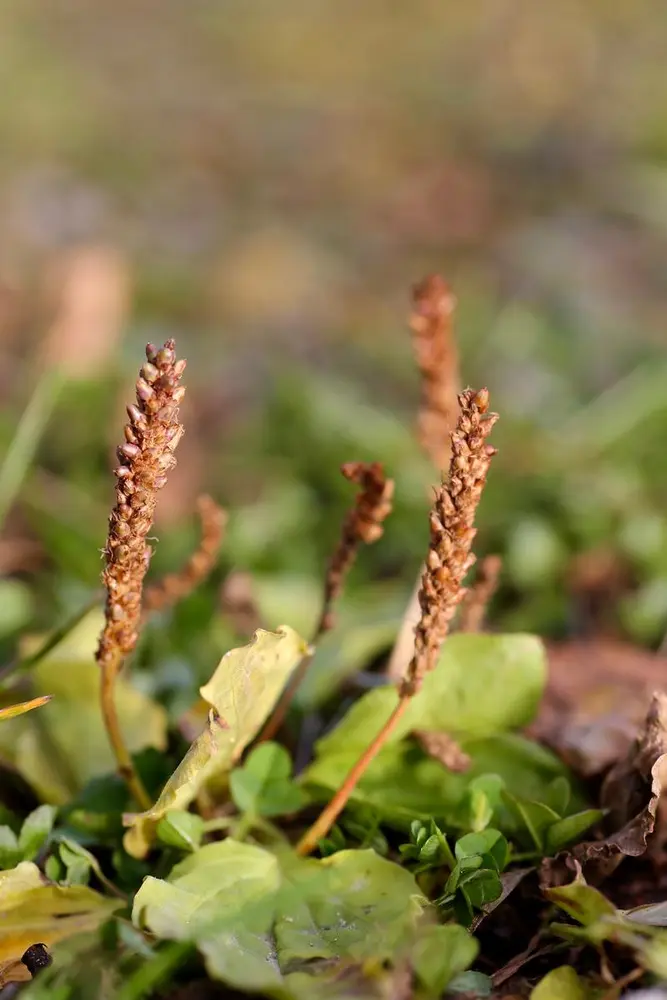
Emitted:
<point x="277" y="717"/>
<point x="126" y="768"/>
<point x="24" y="444"/>
<point x="329" y="815"/>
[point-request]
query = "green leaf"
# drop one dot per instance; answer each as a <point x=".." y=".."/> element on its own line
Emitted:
<point x="440" y="954"/>
<point x="10" y="853"/>
<point x="490" y="844"/>
<point x="35" y="831"/>
<point x="570" y="829"/>
<point x="471" y="984"/>
<point x="403" y="782"/>
<point x="534" y="817"/>
<point x="241" y="693"/>
<point x="57" y="751"/>
<point x="263" y="921"/>
<point x="16" y="605"/>
<point x="77" y="865"/>
<point x="481" y="887"/>
<point x="558" y="795"/>
<point x="582" y="902"/>
<point x="264" y="786"/>
<point x="560" y="984"/>
<point x="181" y="829"/>
<point x="482" y="685"/>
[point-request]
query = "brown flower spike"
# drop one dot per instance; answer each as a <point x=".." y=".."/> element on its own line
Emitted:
<point x="362" y="524"/>
<point x="437" y="358"/>
<point x="475" y="605"/>
<point x="175" y="586"/>
<point x="151" y="436"/>
<point x="451" y="522"/>
<point x="449" y="559"/>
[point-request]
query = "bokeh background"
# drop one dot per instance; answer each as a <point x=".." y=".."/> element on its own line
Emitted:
<point x="265" y="182"/>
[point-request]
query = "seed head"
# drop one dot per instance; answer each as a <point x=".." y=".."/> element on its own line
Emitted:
<point x="452" y="533"/>
<point x="150" y="438"/>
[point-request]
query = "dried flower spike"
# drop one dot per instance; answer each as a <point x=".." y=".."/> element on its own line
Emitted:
<point x="474" y="607"/>
<point x="443" y="748"/>
<point x="447" y="563"/>
<point x="175" y="586"/>
<point x="364" y="523"/>
<point x="151" y="436"/>
<point x="437" y="358"/>
<point x="451" y="521"/>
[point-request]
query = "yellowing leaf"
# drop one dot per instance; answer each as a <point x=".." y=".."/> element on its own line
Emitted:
<point x="12" y="711"/>
<point x="58" y="751"/>
<point x="241" y="693"/>
<point x="32" y="910"/>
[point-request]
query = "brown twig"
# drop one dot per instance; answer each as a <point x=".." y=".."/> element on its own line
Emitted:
<point x="364" y="523"/>
<point x="476" y="603"/>
<point x="151" y="436"/>
<point x="437" y="358"/>
<point x="175" y="586"/>
<point x="448" y="560"/>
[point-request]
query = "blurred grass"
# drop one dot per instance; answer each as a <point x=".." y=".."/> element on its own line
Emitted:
<point x="276" y="178"/>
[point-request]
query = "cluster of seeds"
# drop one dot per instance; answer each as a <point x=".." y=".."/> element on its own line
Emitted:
<point x="147" y="454"/>
<point x="452" y="533"/>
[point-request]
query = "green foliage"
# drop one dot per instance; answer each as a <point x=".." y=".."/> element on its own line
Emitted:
<point x="266" y="922"/>
<point x="601" y="922"/>
<point x="543" y="829"/>
<point x="562" y="983"/>
<point x="68" y="747"/>
<point x="241" y="694"/>
<point x="264" y="786"/>
<point x="33" y="835"/>
<point x="482" y="685"/>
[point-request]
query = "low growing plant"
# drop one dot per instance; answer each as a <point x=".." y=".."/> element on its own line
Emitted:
<point x="148" y="850"/>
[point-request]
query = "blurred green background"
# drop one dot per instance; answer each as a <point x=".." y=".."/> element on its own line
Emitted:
<point x="265" y="182"/>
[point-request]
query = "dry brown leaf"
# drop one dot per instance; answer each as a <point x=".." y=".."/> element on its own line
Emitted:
<point x="595" y="701"/>
<point x="631" y="793"/>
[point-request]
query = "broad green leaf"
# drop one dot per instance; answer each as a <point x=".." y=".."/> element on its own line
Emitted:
<point x="35" y="830"/>
<point x="262" y="921"/>
<point x="241" y="693"/>
<point x="264" y="786"/>
<point x="560" y="984"/>
<point x="59" y="750"/>
<point x="483" y="685"/>
<point x="403" y="783"/>
<point x="34" y="911"/>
